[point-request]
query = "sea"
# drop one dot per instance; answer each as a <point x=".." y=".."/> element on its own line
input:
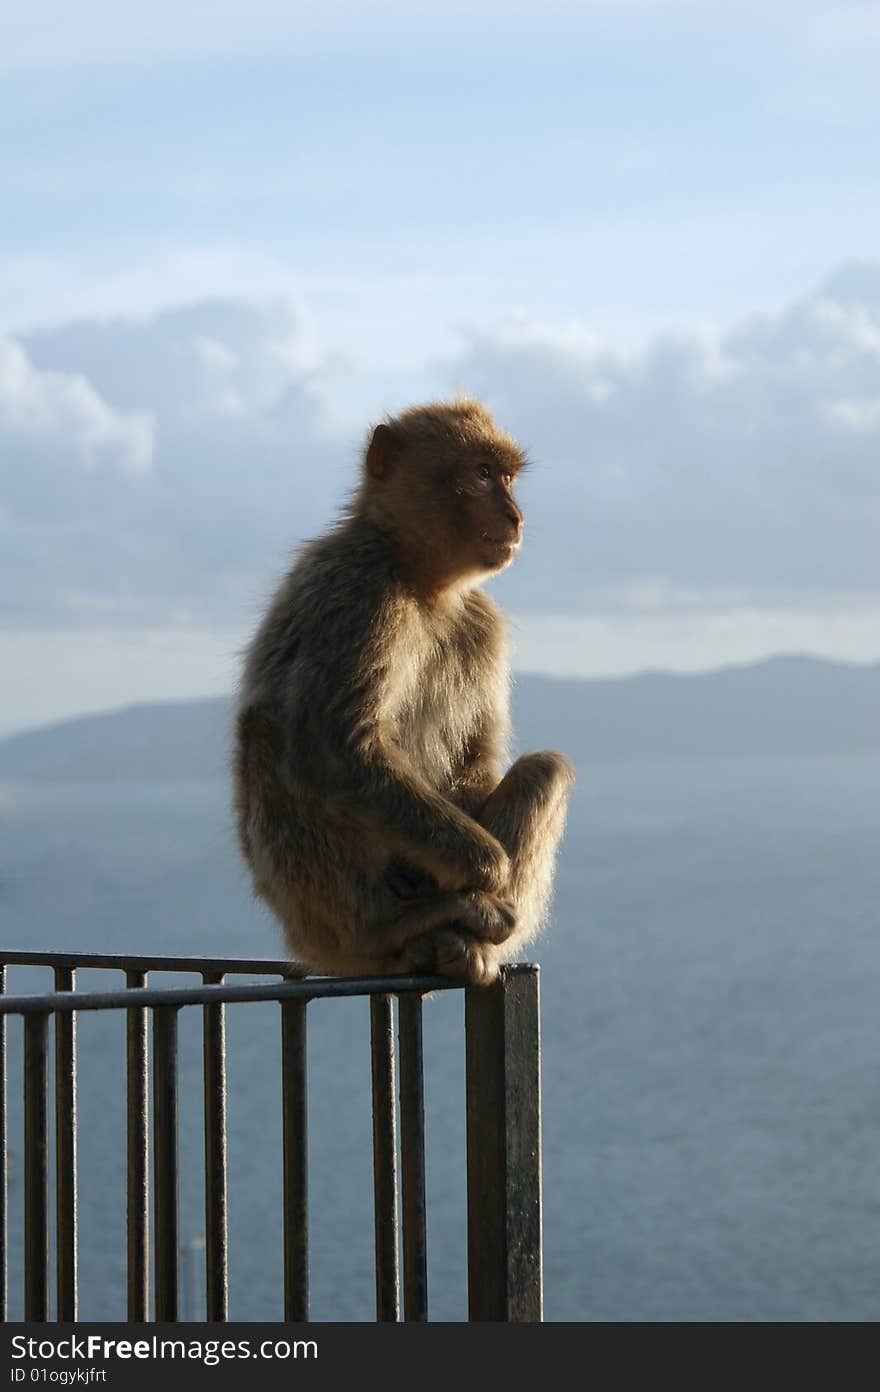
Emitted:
<point x="711" y="1048"/>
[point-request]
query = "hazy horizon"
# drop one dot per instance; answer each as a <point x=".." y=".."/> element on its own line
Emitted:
<point x="786" y="706"/>
<point x="517" y="672"/>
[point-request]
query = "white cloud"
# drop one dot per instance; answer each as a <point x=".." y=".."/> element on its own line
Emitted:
<point x="749" y="461"/>
<point x="862" y="416"/>
<point x="241" y="465"/>
<point x="698" y="479"/>
<point x="64" y="414"/>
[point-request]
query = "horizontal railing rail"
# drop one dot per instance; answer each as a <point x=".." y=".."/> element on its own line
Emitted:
<point x="502" y="1053"/>
<point x="119" y="961"/>
<point x="310" y="988"/>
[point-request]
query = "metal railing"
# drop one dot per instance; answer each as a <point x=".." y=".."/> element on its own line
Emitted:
<point x="502" y="1067"/>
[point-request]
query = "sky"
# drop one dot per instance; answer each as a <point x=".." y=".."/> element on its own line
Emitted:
<point x="232" y="236"/>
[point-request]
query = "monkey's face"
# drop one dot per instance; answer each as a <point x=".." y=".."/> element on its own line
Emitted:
<point x="489" y="523"/>
<point x="444" y="484"/>
<point x="460" y="512"/>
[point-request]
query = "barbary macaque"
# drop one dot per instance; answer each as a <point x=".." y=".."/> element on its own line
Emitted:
<point x="372" y="722"/>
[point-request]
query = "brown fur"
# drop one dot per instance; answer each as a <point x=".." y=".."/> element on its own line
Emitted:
<point x="372" y="722"/>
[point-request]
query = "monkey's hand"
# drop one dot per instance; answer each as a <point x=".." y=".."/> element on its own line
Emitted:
<point x="421" y="825"/>
<point x="472" y="863"/>
<point x="489" y="918"/>
<point x="408" y="881"/>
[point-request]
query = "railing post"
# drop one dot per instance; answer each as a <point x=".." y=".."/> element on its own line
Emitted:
<point x="165" y="1163"/>
<point x="216" y="1256"/>
<point x="4" y="1191"/>
<point x="36" y="1167"/>
<point x="138" y="1155"/>
<point x="385" y="1190"/>
<point x="65" y="1154"/>
<point x="503" y="1058"/>
<point x="296" y="1163"/>
<point x="412" y="1155"/>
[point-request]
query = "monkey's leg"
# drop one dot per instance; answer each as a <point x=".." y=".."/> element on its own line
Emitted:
<point x="526" y="813"/>
<point x="450" y="932"/>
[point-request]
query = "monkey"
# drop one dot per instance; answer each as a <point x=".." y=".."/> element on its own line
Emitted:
<point x="372" y="722"/>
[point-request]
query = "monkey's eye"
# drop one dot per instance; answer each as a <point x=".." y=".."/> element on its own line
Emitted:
<point x="483" y="471"/>
<point x="507" y="479"/>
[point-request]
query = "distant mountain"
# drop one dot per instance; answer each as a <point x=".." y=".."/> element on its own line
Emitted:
<point x="787" y="705"/>
<point x="168" y="740"/>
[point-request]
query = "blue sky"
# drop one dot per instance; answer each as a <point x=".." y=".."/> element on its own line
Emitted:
<point x="637" y="162"/>
<point x="525" y="200"/>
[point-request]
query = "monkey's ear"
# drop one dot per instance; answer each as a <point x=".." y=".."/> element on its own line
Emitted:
<point x="382" y="452"/>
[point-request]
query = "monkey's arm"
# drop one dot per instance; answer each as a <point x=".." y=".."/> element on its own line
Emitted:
<point x="485" y="753"/>
<point x="422" y="824"/>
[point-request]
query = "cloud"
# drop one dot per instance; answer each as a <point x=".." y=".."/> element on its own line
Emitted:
<point x="159" y="470"/>
<point x="63" y="414"/>
<point x="746" y="463"/>
<point x="156" y="472"/>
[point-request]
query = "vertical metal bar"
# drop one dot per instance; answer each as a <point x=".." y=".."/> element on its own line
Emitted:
<point x="4" y="1191"/>
<point x="503" y="1063"/>
<point x="384" y="1159"/>
<point x="65" y="1153"/>
<point x="137" y="1168"/>
<point x="296" y="1206"/>
<point x="216" y="1250"/>
<point x="165" y="1168"/>
<point x="36" y="1166"/>
<point x="412" y="1149"/>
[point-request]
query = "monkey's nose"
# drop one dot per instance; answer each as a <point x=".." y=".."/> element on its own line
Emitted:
<point x="514" y="517"/>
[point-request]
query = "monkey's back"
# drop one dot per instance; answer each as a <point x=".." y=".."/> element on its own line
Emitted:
<point x="285" y="761"/>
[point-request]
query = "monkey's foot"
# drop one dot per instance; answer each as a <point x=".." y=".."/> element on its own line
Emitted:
<point x="455" y="952"/>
